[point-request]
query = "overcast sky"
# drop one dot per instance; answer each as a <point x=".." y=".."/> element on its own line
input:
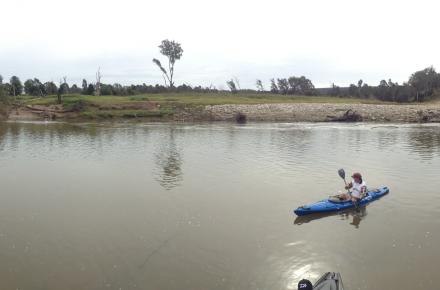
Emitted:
<point x="327" y="41"/>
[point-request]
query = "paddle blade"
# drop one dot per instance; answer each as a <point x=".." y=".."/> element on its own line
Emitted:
<point x="341" y="173"/>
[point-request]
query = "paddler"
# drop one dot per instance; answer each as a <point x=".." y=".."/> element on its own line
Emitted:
<point x="357" y="188"/>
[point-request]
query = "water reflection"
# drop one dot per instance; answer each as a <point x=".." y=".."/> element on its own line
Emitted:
<point x="3" y="131"/>
<point x="88" y="209"/>
<point x="169" y="162"/>
<point x="425" y="142"/>
<point x="354" y="216"/>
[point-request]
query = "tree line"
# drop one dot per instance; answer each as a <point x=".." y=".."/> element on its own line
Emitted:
<point x="34" y="87"/>
<point x="422" y="85"/>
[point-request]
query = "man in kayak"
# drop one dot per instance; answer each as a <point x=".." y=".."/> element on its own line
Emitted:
<point x="358" y="188"/>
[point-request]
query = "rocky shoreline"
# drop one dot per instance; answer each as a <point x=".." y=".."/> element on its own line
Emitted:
<point x="288" y="112"/>
<point x="302" y="112"/>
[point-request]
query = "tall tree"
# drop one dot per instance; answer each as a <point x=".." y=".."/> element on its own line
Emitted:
<point x="232" y="86"/>
<point x="237" y="83"/>
<point x="259" y="85"/>
<point x="29" y="87"/>
<point x="424" y="81"/>
<point x="283" y="86"/>
<point x="62" y="89"/>
<point x="273" y="86"/>
<point x="98" y="82"/>
<point x="16" y="86"/>
<point x="50" y="87"/>
<point x="84" y="86"/>
<point x="173" y="51"/>
<point x="360" y="82"/>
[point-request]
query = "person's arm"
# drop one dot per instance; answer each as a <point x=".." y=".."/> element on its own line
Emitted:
<point x="348" y="186"/>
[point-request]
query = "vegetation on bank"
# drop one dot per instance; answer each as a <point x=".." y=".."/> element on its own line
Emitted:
<point x="195" y="99"/>
<point x="164" y="105"/>
<point x="100" y="100"/>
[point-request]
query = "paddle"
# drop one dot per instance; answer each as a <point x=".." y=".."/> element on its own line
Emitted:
<point x="341" y="173"/>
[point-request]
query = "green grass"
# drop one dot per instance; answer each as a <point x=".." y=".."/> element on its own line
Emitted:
<point x="109" y="114"/>
<point x="245" y="98"/>
<point x="197" y="99"/>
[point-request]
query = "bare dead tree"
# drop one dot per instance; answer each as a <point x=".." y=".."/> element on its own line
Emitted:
<point x="259" y="85"/>
<point x="65" y="85"/>
<point x="237" y="83"/>
<point x="164" y="72"/>
<point x="98" y="82"/>
<point x="60" y="92"/>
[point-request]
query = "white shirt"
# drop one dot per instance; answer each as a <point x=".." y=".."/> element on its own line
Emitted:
<point x="357" y="188"/>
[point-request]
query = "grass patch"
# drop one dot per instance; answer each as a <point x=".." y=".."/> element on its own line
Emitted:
<point x="198" y="99"/>
<point x="109" y="114"/>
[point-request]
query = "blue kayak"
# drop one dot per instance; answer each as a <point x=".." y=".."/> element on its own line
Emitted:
<point x="332" y="204"/>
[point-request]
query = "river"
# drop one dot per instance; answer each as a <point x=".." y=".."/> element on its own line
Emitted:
<point x="209" y="206"/>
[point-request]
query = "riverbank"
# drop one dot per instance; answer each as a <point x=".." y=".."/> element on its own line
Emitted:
<point x="221" y="107"/>
<point x="328" y="112"/>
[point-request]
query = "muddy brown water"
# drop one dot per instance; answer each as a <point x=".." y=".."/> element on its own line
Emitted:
<point x="209" y="206"/>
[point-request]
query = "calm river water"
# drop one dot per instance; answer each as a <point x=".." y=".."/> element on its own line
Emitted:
<point x="166" y="206"/>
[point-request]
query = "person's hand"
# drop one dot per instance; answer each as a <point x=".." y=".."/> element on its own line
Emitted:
<point x="348" y="186"/>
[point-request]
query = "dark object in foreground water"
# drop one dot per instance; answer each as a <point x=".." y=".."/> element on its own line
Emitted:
<point x="329" y="281"/>
<point x="240" y="118"/>
<point x="305" y="284"/>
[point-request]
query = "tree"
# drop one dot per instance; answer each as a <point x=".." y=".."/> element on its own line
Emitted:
<point x="98" y="82"/>
<point x="90" y="89"/>
<point x="404" y="93"/>
<point x="232" y="86"/>
<point x="353" y="90"/>
<point x="74" y="89"/>
<point x="1" y="80"/>
<point x="62" y="89"/>
<point x="16" y="86"/>
<point x="84" y="87"/>
<point x="106" y="90"/>
<point x="273" y="86"/>
<point x="173" y="51"/>
<point x="28" y="86"/>
<point x="359" y="87"/>
<point x="283" y="86"/>
<point x="365" y="91"/>
<point x="237" y="83"/>
<point x="300" y="85"/>
<point x="383" y="91"/>
<point x="34" y="87"/>
<point x="259" y="85"/>
<point x="424" y="81"/>
<point x="51" y="88"/>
